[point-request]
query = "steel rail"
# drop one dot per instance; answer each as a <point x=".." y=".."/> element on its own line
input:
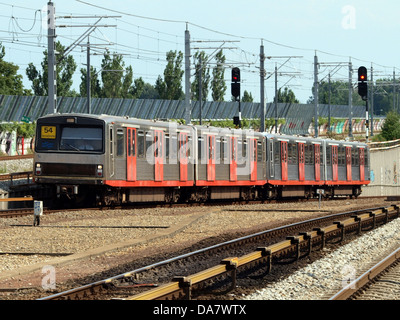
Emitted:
<point x="367" y="276"/>
<point x="235" y="262"/>
<point x="261" y="253"/>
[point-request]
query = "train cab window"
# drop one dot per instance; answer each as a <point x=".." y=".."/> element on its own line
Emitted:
<point x="140" y="144"/>
<point x="81" y="139"/>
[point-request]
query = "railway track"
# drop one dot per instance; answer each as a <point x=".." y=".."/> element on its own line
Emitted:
<point x="221" y="265"/>
<point x="382" y="281"/>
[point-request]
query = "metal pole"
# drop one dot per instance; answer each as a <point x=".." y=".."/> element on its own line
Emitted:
<point x="372" y="100"/>
<point x="262" y="98"/>
<point x="200" y="71"/>
<point x="366" y="120"/>
<point x="88" y="82"/>
<point x="316" y="115"/>
<point x="51" y="57"/>
<point x="350" y="101"/>
<point x="329" y="104"/>
<point x="394" y="91"/>
<point x="276" y="99"/>
<point x="188" y="107"/>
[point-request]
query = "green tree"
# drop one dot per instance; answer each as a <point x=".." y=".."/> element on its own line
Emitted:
<point x="116" y="79"/>
<point x="339" y="94"/>
<point x="218" y="85"/>
<point x="247" y="97"/>
<point x="65" y="68"/>
<point x="200" y="59"/>
<point x="287" y="96"/>
<point x="95" y="88"/>
<point x="10" y="81"/>
<point x="170" y="88"/>
<point x="391" y="126"/>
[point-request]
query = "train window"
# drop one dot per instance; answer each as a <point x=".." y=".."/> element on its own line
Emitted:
<point x="221" y="150"/>
<point x="218" y="150"/>
<point x="140" y="144"/>
<point x="342" y="156"/>
<point x="309" y="153"/>
<point x="149" y="143"/>
<point x="167" y="146"/>
<point x="120" y="142"/>
<point x="81" y="139"/>
<point x="188" y="144"/>
<point x="259" y="151"/>
<point x="200" y="147"/>
<point x="224" y="150"/>
<point x="244" y="149"/>
<point x="329" y="155"/>
<point x="129" y="139"/>
<point x="277" y="152"/>
<point x="292" y="153"/>
<point x="174" y="147"/>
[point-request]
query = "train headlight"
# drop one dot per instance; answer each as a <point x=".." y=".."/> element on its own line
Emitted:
<point x="38" y="169"/>
<point x="99" y="170"/>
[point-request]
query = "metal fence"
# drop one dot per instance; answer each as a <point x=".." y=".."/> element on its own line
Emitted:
<point x="298" y="117"/>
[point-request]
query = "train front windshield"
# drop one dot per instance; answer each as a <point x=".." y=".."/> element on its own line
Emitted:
<point x="81" y="139"/>
<point x="69" y="138"/>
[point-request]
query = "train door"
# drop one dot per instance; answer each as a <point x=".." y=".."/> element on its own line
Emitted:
<point x="131" y="154"/>
<point x="233" y="160"/>
<point x="362" y="163"/>
<point x="348" y="163"/>
<point x="334" y="163"/>
<point x="317" y="161"/>
<point x="253" y="159"/>
<point x="158" y="156"/>
<point x="183" y="158"/>
<point x="211" y="158"/>
<point x="284" y="160"/>
<point x="301" y="161"/>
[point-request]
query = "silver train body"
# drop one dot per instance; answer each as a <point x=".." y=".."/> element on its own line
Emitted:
<point x="107" y="160"/>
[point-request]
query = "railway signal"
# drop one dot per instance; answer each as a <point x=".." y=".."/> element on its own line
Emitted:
<point x="235" y="85"/>
<point x="363" y="92"/>
<point x="362" y="83"/>
<point x="235" y="90"/>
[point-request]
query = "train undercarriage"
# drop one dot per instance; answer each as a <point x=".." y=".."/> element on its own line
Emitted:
<point x="80" y="195"/>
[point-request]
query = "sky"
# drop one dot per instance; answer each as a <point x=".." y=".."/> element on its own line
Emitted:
<point x="291" y="31"/>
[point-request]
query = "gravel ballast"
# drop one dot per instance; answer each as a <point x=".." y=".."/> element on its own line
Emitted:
<point x="141" y="232"/>
<point x="330" y="273"/>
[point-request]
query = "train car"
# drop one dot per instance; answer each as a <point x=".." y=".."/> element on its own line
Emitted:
<point x="112" y="159"/>
<point x="346" y="167"/>
<point x="103" y="159"/>
<point x="230" y="163"/>
<point x="303" y="166"/>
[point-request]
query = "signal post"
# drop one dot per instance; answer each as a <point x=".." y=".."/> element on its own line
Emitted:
<point x="363" y="92"/>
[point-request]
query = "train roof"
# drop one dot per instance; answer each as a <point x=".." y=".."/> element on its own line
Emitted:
<point x="311" y="139"/>
<point x="165" y="124"/>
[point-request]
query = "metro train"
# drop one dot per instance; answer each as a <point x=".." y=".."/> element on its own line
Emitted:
<point x="106" y="160"/>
